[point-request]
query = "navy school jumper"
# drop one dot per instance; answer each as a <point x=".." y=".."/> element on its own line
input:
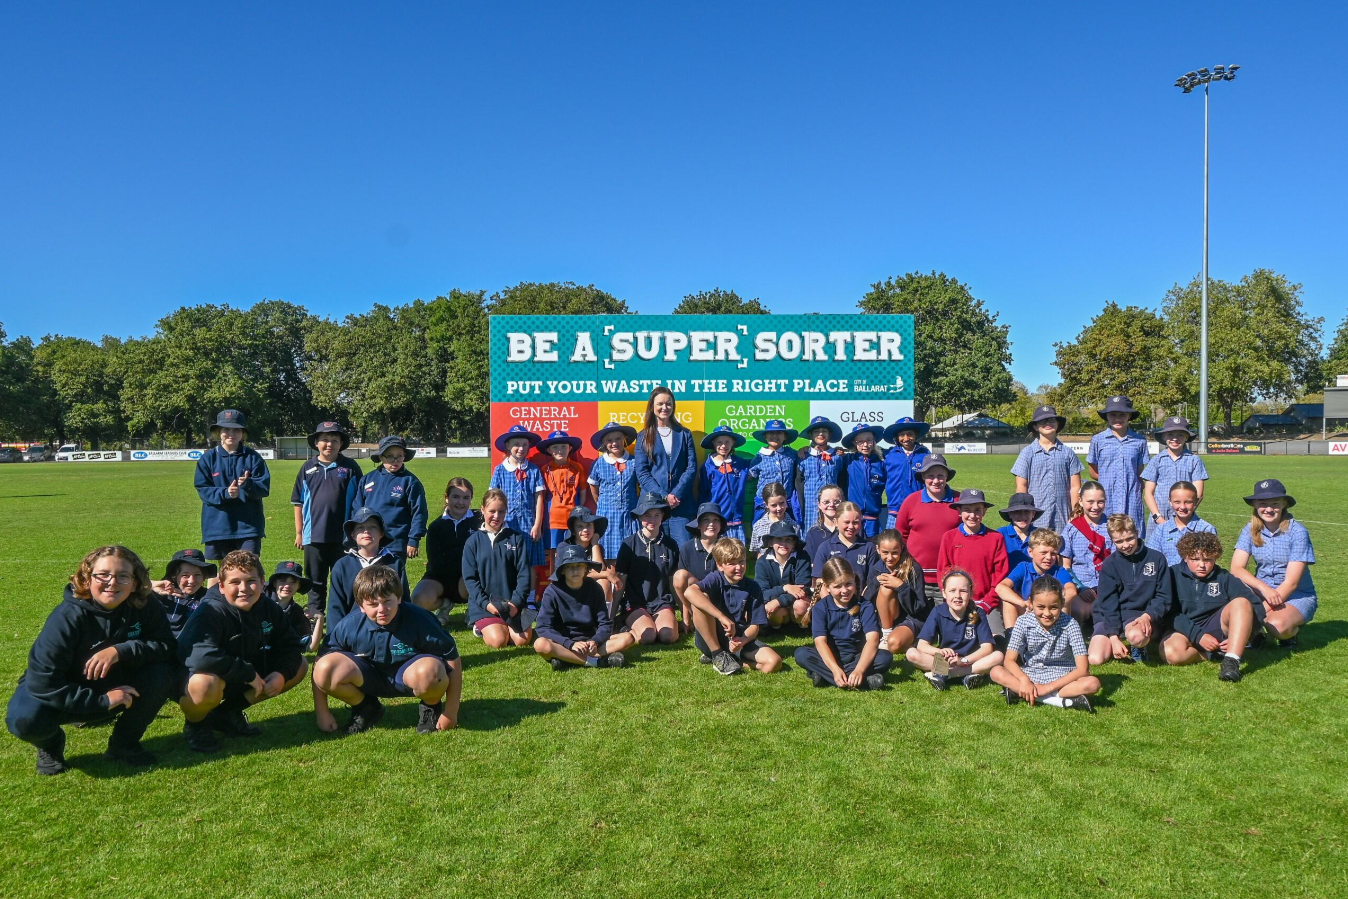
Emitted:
<point x="232" y="518"/>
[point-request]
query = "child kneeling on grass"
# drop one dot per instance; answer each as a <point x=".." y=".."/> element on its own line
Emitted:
<point x="496" y="573"/>
<point x="728" y="614"/>
<point x="393" y="648"/>
<point x="1046" y="658"/>
<point x="1214" y="611"/>
<point x="574" y="627"/>
<point x="846" y="630"/>
<point x="955" y="641"/>
<point x="237" y="650"/>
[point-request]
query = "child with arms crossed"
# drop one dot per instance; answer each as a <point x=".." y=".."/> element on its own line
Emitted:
<point x="574" y="627"/>
<point x="1128" y="600"/>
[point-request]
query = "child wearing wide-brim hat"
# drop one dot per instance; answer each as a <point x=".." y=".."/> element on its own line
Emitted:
<point x="232" y="480"/>
<point x="574" y="627"/>
<point x="1174" y="463"/>
<point x="725" y="477"/>
<point x="861" y="474"/>
<point x="1117" y="457"/>
<point x="1281" y="549"/>
<point x="646" y="564"/>
<point x="1049" y="471"/>
<point x="818" y="464"/>
<point x="901" y="461"/>
<point x="526" y="493"/>
<point x="775" y="464"/>
<point x="1020" y="513"/>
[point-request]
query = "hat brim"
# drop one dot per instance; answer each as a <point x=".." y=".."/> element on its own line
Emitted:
<point x="1161" y="432"/>
<point x="313" y="438"/>
<point x="791" y="435"/>
<point x="589" y="564"/>
<point x="710" y="440"/>
<point x="500" y="442"/>
<point x="800" y="541"/>
<point x="215" y="429"/>
<point x="921" y="428"/>
<point x="695" y="526"/>
<point x="643" y="509"/>
<point x="850" y="439"/>
<point x="570" y="440"/>
<point x="210" y="569"/>
<point x="1254" y="498"/>
<point x="959" y="505"/>
<point x="409" y="454"/>
<point x="305" y="584"/>
<point x="599" y="522"/>
<point x="1006" y="513"/>
<point x="597" y="438"/>
<point x="835" y="433"/>
<point x="1062" y="423"/>
<point x="350" y="528"/>
<point x="949" y="472"/>
<point x="1132" y="413"/>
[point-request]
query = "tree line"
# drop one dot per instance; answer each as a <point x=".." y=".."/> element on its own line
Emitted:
<point x="421" y="369"/>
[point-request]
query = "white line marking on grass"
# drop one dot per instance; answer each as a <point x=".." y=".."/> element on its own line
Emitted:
<point x="1336" y="524"/>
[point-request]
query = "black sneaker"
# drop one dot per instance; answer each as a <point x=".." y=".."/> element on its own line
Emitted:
<point x="427" y="715"/>
<point x="613" y="660"/>
<point x="1137" y="654"/>
<point x="232" y="721"/>
<point x="558" y="664"/>
<point x="937" y="680"/>
<point x="1290" y="643"/>
<point x="365" y="715"/>
<point x="1215" y="655"/>
<point x="874" y="681"/>
<point x="1257" y="641"/>
<point x="725" y="663"/>
<point x="1230" y="670"/>
<point x="973" y="681"/>
<point x="1012" y="697"/>
<point x="200" y="737"/>
<point x="51" y="759"/>
<point x="134" y="754"/>
<point x="1078" y="703"/>
<point x="818" y="679"/>
<point x="704" y="659"/>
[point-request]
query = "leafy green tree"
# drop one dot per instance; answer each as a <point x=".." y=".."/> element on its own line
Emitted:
<point x="554" y="298"/>
<point x="719" y="302"/>
<point x="23" y="398"/>
<point x="1336" y="363"/>
<point x="458" y="336"/>
<point x="1124" y="350"/>
<point x="1261" y="344"/>
<point x="963" y="355"/>
<point x="84" y="381"/>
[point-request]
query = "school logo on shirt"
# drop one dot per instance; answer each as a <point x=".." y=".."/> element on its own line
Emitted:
<point x="861" y="558"/>
<point x="399" y="648"/>
<point x="1149" y="569"/>
<point x="1214" y="589"/>
<point x="133" y="632"/>
<point x="397" y="491"/>
<point x="969" y="632"/>
<point x="266" y="627"/>
<point x="856" y="625"/>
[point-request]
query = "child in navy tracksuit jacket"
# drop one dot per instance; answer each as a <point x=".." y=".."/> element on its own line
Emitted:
<point x="784" y="573"/>
<point x="861" y="475"/>
<point x="1128" y="600"/>
<point x="397" y="495"/>
<point x="1213" y="609"/>
<point x="232" y="480"/>
<point x="183" y="586"/>
<point x="104" y="639"/>
<point x="366" y="531"/>
<point x="496" y="573"/>
<point x="574" y="627"/>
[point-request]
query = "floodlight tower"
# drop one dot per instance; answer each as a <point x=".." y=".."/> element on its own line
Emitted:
<point x="1187" y="82"/>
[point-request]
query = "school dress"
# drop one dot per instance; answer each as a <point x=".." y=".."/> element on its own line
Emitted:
<point x="1164" y="470"/>
<point x="1077" y="547"/>
<point x="324" y="492"/>
<point x="775" y="467"/>
<point x="1271" y="561"/>
<point x="1048" y="474"/>
<point x="862" y="479"/>
<point x="384" y="653"/>
<point x="647" y="568"/>
<point x="1119" y="462"/>
<point x="616" y="489"/>
<point x="521" y="486"/>
<point x="53" y="690"/>
<point x="1046" y="654"/>
<point x="568" y="616"/>
<point x="1130" y="586"/>
<point x="1165" y="537"/>
<point x="817" y="471"/>
<point x="229" y="523"/>
<point x="901" y="477"/>
<point x="400" y="500"/>
<point x="983" y="555"/>
<point x="496" y="571"/>
<point x="724" y="485"/>
<point x="845" y="630"/>
<point x="667" y="472"/>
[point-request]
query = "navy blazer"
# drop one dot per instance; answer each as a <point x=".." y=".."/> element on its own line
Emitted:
<point x="675" y="473"/>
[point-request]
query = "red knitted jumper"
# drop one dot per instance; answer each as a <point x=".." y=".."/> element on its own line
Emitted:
<point x="923" y="525"/>
<point x="982" y="555"/>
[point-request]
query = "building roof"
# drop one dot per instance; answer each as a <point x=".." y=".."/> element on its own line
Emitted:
<point x="975" y="421"/>
<point x="1304" y="411"/>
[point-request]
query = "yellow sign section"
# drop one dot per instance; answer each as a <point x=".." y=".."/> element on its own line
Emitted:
<point x="689" y="413"/>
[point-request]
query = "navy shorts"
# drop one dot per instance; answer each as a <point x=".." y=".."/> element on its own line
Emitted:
<point x="218" y="549"/>
<point x="386" y="683"/>
<point x="557" y="535"/>
<point x="912" y="624"/>
<point x="1212" y="625"/>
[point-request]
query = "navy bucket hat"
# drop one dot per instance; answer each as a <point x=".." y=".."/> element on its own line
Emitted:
<point x="291" y="569"/>
<point x="1270" y="489"/>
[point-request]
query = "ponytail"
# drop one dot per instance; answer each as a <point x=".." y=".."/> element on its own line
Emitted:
<point x="1077" y="509"/>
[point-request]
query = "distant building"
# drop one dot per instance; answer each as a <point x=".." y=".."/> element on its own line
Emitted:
<point x="973" y="425"/>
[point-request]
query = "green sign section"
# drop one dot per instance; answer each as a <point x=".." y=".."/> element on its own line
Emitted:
<point x="709" y="357"/>
<point x="748" y="415"/>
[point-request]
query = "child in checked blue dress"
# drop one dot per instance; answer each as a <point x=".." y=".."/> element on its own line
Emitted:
<point x="775" y="464"/>
<point x="724" y="478"/>
<point x="615" y="486"/>
<point x="1281" y="549"/>
<point x="522" y="483"/>
<point x="1117" y="458"/>
<point x="818" y="465"/>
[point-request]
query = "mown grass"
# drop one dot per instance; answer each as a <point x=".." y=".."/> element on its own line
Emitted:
<point x="666" y="780"/>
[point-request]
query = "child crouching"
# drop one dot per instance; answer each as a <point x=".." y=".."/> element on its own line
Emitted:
<point x="728" y="614"/>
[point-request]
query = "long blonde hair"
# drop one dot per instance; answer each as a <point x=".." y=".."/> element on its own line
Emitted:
<point x="907" y="564"/>
<point x="1257" y="526"/>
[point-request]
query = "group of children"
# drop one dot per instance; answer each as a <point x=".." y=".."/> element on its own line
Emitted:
<point x="922" y="576"/>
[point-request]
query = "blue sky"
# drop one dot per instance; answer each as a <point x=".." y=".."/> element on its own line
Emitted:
<point x="337" y="155"/>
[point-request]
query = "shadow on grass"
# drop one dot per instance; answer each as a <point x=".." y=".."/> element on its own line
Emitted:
<point x="497" y="714"/>
<point x="30" y="495"/>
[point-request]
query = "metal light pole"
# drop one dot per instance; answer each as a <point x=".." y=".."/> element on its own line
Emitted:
<point x="1188" y="82"/>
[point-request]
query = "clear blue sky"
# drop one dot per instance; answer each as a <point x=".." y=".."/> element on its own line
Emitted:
<point x="337" y="155"/>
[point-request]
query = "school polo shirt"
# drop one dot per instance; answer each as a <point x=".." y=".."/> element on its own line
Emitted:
<point x="1024" y="575"/>
<point x="845" y="631"/>
<point x="861" y="556"/>
<point x="944" y="631"/>
<point x="742" y="602"/>
<point x="324" y="493"/>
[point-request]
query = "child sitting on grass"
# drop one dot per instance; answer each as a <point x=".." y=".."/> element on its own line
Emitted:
<point x="846" y="629"/>
<point x="496" y="572"/>
<point x="728" y="614"/>
<point x="1128" y="602"/>
<point x="647" y="561"/>
<point x="784" y="575"/>
<point x="695" y="559"/>
<point x="391" y="648"/>
<point x="1046" y="659"/>
<point x="1214" y="611"/>
<point x="899" y="593"/>
<point x="574" y="627"/>
<point x="955" y="641"/>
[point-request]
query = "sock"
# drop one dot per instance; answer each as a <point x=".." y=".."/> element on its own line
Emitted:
<point x="884" y="634"/>
<point x="592" y="661"/>
<point x="1232" y="655"/>
<point x="1052" y="699"/>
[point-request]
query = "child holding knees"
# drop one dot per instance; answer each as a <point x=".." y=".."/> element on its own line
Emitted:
<point x="1165" y="537"/>
<point x="397" y="495"/>
<point x="287" y="582"/>
<point x="232" y="480"/>
<point x="775" y="509"/>
<point x="647" y="561"/>
<point x="955" y="641"/>
<point x="1129" y="605"/>
<point x="105" y="650"/>
<point x="1213" y="609"/>
<point x="522" y="485"/>
<point x="183" y="586"/>
<point x="818" y="466"/>
<point x="391" y="648"/>
<point x="728" y="614"/>
<point x="785" y="576"/>
<point x="496" y="572"/>
<point x="897" y="589"/>
<point x="574" y="627"/>
<point x="564" y="479"/>
<point x="861" y="474"/>
<point x="1048" y="471"/>
<point x="237" y="650"/>
<point x="1281" y="549"/>
<point x="442" y="585"/>
<point x="1117" y="458"/>
<point x="978" y="550"/>
<point x="695" y="558"/>
<point x="846" y="629"/>
<point x="1173" y="464"/>
<point x="724" y="477"/>
<point x="826" y="520"/>
<point x="1043" y="549"/>
<point x="1046" y="659"/>
<point x="615" y="485"/>
<point x="775" y="464"/>
<point x="902" y="461"/>
<point x="1086" y="545"/>
<point x="1019" y="514"/>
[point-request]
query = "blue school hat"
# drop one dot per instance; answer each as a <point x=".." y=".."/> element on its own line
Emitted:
<point x="1044" y="413"/>
<point x="1175" y="423"/>
<point x="823" y="421"/>
<point x="971" y="496"/>
<point x="194" y="557"/>
<point x="330" y="427"/>
<point x="389" y="443"/>
<point x="582" y="515"/>
<point x="775" y="424"/>
<point x="695" y="526"/>
<point x="907" y="423"/>
<point x="230" y="418"/>
<point x="850" y="441"/>
<point x="1118" y="404"/>
<point x="558" y="437"/>
<point x="514" y="432"/>
<point x="570" y="554"/>
<point x="649" y="501"/>
<point x="780" y="530"/>
<point x="291" y="569"/>
<point x="722" y="431"/>
<point x="1270" y="489"/>
<point x="597" y="438"/>
<point x="362" y="515"/>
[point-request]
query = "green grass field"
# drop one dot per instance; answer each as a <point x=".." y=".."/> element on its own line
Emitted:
<point x="664" y="779"/>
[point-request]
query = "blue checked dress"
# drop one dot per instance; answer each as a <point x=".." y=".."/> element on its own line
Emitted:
<point x="1279" y="550"/>
<point x="1076" y="547"/>
<point x="775" y="468"/>
<point x="1119" y="463"/>
<point x="1164" y="470"/>
<point x="521" y="488"/>
<point x="817" y="471"/>
<point x="1049" y="475"/>
<point x="615" y="497"/>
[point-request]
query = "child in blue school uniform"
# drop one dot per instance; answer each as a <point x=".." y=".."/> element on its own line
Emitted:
<point x="615" y="486"/>
<point x="647" y="561"/>
<point x="496" y="571"/>
<point x="955" y="641"/>
<point x="849" y="543"/>
<point x="785" y="575"/>
<point x="1085" y="546"/>
<point x="1019" y="514"/>
<point x="287" y="582"/>
<point x="522" y="483"/>
<point x="586" y="530"/>
<point x="323" y="496"/>
<point x="818" y="465"/>
<point x="1043" y="548"/>
<point x="390" y="648"/>
<point x="861" y="475"/>
<point x="232" y="479"/>
<point x="775" y="464"/>
<point x="1128" y="602"/>
<point x="695" y="558"/>
<point x="897" y="588"/>
<point x="902" y="460"/>
<point x="1281" y="549"/>
<point x="397" y="495"/>
<point x="1165" y="537"/>
<point x="574" y="628"/>
<point x="1048" y="471"/>
<point x="1174" y="463"/>
<point x="1046" y="659"/>
<point x="1117" y="458"/>
<point x="826" y="520"/>
<point x="728" y="614"/>
<point x="724" y="477"/>
<point x="183" y="586"/>
<point x="846" y="651"/>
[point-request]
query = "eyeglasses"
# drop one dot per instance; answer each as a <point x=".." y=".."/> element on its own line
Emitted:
<point x="105" y="578"/>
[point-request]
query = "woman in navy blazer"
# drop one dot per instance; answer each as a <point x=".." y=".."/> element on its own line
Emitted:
<point x="667" y="469"/>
